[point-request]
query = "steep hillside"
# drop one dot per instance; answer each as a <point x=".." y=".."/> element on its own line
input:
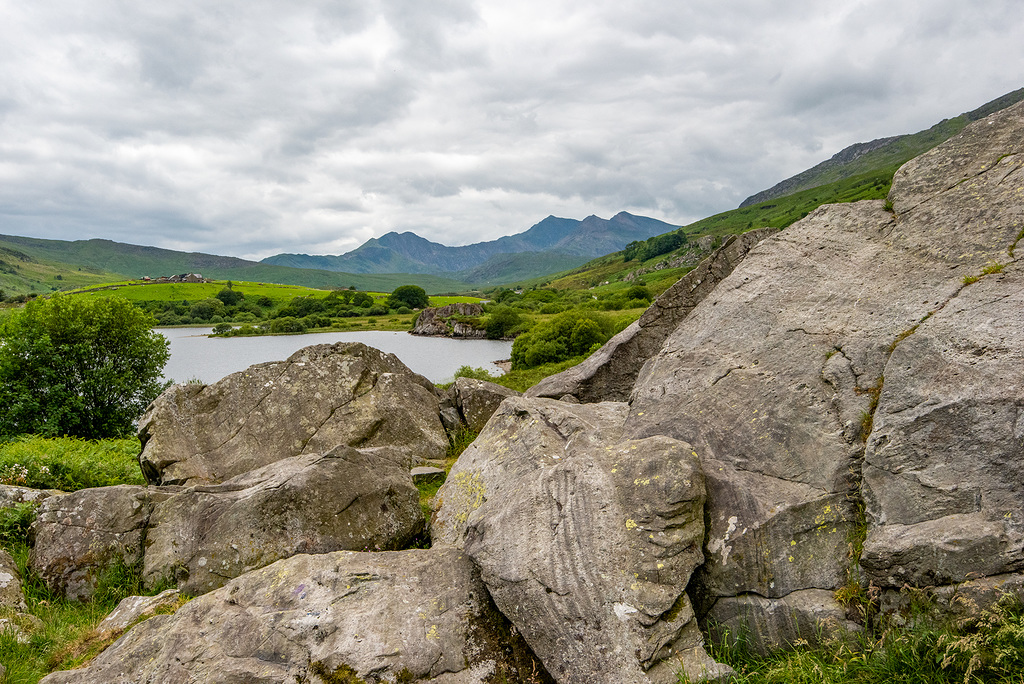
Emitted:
<point x="882" y="154"/>
<point x="554" y="243"/>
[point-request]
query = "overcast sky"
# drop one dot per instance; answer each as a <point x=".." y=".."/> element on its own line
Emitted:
<point x="249" y="127"/>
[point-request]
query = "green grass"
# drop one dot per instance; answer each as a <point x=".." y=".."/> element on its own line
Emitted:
<point x="65" y="635"/>
<point x="69" y="464"/>
<point x="987" y="647"/>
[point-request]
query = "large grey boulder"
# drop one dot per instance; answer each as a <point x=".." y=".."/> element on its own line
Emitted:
<point x="132" y="609"/>
<point x="12" y="595"/>
<point x="477" y="400"/>
<point x="585" y="540"/>
<point x="78" y="536"/>
<point x="610" y="373"/>
<point x="315" y="503"/>
<point x="942" y="476"/>
<point x="321" y="397"/>
<point x="409" y="616"/>
<point x="774" y="378"/>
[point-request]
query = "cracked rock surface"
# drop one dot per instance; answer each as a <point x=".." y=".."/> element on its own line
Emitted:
<point x="411" y="616"/>
<point x="855" y="324"/>
<point x="585" y="540"/>
<point x="321" y="397"/>
<point x="342" y="500"/>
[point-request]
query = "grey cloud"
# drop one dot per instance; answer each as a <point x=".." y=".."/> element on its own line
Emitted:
<point x="249" y="128"/>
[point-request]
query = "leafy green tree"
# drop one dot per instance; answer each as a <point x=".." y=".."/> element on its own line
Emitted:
<point x="411" y="296"/>
<point x="362" y="300"/>
<point x="78" y="367"/>
<point x="501" y="321"/>
<point x="229" y="295"/>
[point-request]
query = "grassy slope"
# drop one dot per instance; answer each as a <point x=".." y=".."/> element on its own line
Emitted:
<point x="89" y="262"/>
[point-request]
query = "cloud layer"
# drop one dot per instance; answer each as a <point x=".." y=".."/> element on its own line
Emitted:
<point x="252" y="128"/>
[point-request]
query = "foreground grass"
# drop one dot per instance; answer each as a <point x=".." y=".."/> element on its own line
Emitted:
<point x="58" y="634"/>
<point x="985" y="648"/>
<point x="68" y="463"/>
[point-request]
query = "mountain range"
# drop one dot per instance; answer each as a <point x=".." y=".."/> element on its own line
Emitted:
<point x="554" y="244"/>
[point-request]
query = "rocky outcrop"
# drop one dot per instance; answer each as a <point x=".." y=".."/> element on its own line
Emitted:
<point x="610" y="373"/>
<point x="78" y="536"/>
<point x="855" y="323"/>
<point x="444" y="321"/>
<point x="134" y="609"/>
<point x="477" y="400"/>
<point x="410" y="616"/>
<point x="342" y="500"/>
<point x="585" y="540"/>
<point x="12" y="595"/>
<point x="321" y="397"/>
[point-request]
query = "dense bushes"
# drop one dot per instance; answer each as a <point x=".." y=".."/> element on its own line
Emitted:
<point x="567" y="335"/>
<point x="641" y="250"/>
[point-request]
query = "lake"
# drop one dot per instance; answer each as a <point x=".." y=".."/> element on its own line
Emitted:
<point x="208" y="359"/>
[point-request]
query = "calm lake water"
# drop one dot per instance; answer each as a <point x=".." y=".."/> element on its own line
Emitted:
<point x="193" y="355"/>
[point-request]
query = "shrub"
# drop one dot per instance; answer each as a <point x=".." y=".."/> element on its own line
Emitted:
<point x="501" y="322"/>
<point x="73" y="366"/>
<point x="565" y="336"/>
<point x="288" y="324"/>
<point x="409" y="296"/>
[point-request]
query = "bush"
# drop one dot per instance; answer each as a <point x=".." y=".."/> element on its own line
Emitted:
<point x="638" y="292"/>
<point x="288" y="324"/>
<point x="501" y="322"/>
<point x="229" y="296"/>
<point x="72" y="366"/>
<point x="410" y="296"/>
<point x="221" y="328"/>
<point x="473" y="373"/>
<point x="567" y="335"/>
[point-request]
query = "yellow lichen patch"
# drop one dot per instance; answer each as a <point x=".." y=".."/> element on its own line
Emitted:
<point x="630" y="524"/>
<point x="469" y="491"/>
<point x="432" y="632"/>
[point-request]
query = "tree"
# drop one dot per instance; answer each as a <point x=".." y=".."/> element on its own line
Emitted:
<point x="229" y="295"/>
<point x="79" y="367"/>
<point x="412" y="296"/>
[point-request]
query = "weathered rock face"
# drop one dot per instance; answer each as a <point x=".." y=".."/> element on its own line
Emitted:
<point x="321" y="397"/>
<point x="774" y="378"/>
<point x="478" y="400"/>
<point x="133" y="608"/>
<point x="942" y="475"/>
<point x="11" y="593"/>
<point x="586" y="541"/>
<point x="411" y="616"/>
<point x="442" y="321"/>
<point x="610" y="373"/>
<point x="342" y="500"/>
<point x="12" y="496"/>
<point x="767" y="625"/>
<point x="77" y="536"/>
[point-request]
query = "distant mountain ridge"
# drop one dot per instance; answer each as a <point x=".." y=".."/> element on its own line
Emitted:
<point x="557" y="243"/>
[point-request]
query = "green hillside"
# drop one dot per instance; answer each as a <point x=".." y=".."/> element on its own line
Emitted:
<point x="887" y="153"/>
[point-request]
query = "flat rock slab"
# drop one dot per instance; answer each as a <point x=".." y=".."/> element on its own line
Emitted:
<point x="585" y="541"/>
<point x="323" y="396"/>
<point x="410" y="616"/>
<point x="134" y="608"/>
<point x="346" y="499"/>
